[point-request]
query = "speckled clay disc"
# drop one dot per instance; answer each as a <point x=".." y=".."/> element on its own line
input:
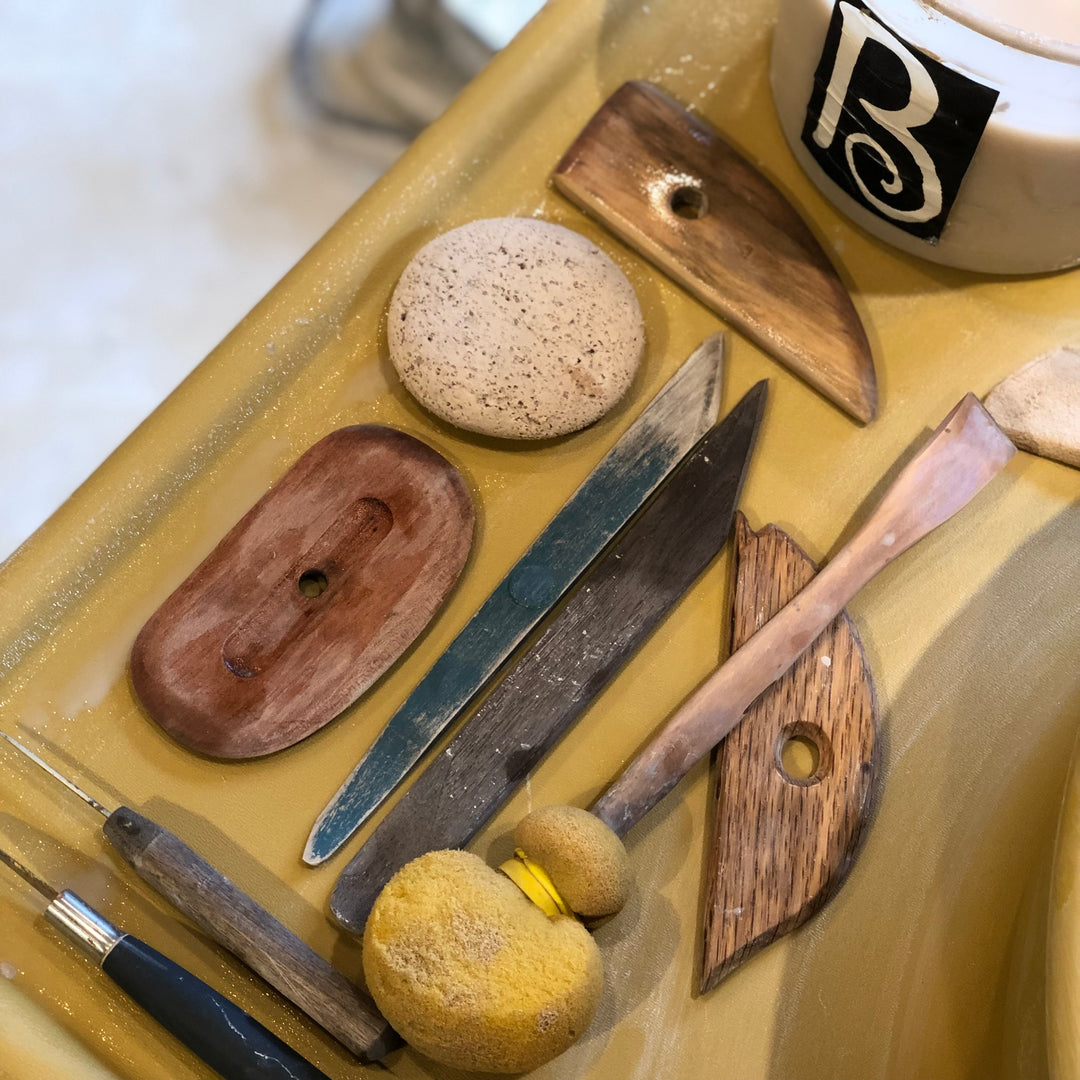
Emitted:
<point x="516" y="328"/>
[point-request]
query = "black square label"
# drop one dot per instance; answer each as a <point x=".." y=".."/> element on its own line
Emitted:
<point x="895" y="128"/>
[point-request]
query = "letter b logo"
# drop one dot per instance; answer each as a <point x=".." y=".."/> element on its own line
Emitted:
<point x="893" y="127"/>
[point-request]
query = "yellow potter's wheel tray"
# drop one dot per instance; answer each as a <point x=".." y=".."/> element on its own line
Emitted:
<point x="1063" y="940"/>
<point x="930" y="961"/>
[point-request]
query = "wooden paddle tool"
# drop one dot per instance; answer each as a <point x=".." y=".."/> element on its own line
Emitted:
<point x="792" y="785"/>
<point x="470" y="972"/>
<point x="666" y="184"/>
<point x="643" y="457"/>
<point x="625" y="593"/>
<point x="310" y="597"/>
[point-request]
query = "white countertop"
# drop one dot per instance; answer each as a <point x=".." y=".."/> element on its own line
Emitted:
<point x="157" y="176"/>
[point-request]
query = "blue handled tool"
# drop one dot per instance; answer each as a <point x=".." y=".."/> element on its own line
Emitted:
<point x="230" y="1041"/>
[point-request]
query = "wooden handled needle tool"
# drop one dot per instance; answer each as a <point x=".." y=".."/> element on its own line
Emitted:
<point x="235" y="921"/>
<point x="230" y="1041"/>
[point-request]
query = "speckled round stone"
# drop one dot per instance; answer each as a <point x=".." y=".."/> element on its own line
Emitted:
<point x="515" y="328"/>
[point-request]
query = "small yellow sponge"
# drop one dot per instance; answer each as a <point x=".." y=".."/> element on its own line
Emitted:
<point x="584" y="858"/>
<point x="473" y="974"/>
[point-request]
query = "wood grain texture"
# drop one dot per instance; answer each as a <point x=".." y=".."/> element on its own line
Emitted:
<point x="619" y="601"/>
<point x="671" y="188"/>
<point x="781" y="845"/>
<point x="234" y="920"/>
<point x="961" y="457"/>
<point x="241" y="661"/>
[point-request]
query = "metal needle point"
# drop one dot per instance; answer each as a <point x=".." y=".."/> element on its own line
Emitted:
<point x="89" y="799"/>
<point x="235" y="921"/>
<point x="230" y="1041"/>
<point x="42" y="887"/>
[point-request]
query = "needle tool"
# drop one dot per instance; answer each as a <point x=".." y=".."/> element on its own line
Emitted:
<point x="230" y="1041"/>
<point x="236" y="922"/>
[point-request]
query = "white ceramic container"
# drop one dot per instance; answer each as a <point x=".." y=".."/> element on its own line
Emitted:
<point x="949" y="129"/>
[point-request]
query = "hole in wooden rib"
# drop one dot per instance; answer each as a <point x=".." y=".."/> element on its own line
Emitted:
<point x="312" y="583"/>
<point x="688" y="202"/>
<point x="799" y="757"/>
<point x="803" y="754"/>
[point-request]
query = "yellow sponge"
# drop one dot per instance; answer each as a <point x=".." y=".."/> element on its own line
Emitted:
<point x="584" y="858"/>
<point x="471" y="972"/>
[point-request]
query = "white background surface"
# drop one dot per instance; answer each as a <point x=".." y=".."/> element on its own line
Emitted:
<point x="157" y="176"/>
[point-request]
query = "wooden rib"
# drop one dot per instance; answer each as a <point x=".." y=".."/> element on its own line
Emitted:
<point x="780" y="847"/>
<point x="242" y="660"/>
<point x="671" y="188"/>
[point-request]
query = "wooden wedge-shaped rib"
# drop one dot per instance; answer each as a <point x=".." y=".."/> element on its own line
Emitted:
<point x="671" y="188"/>
<point x="783" y="838"/>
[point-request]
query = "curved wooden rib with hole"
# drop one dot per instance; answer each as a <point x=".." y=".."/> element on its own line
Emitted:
<point x="783" y="837"/>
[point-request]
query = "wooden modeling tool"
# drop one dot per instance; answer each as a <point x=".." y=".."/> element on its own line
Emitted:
<point x="235" y="921"/>
<point x="309" y="598"/>
<point x="666" y="184"/>
<point x="475" y="975"/>
<point x="232" y="1043"/>
<point x="792" y="785"/>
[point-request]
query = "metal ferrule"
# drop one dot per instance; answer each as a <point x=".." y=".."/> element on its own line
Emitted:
<point x="81" y="924"/>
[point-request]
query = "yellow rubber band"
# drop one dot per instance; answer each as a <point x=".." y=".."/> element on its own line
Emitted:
<point x="533" y="880"/>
